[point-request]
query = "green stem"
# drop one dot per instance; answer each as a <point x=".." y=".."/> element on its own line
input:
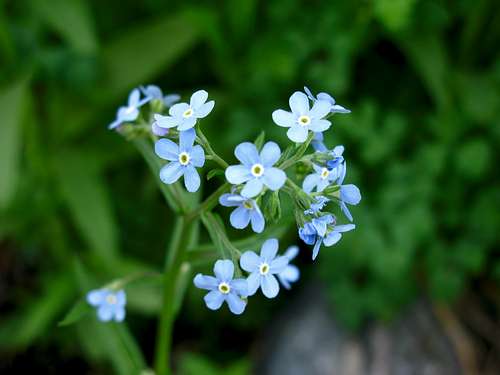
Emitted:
<point x="208" y="203"/>
<point x="298" y="155"/>
<point x="210" y="151"/>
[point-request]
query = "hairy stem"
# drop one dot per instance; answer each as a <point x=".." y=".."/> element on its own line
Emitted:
<point x="298" y="154"/>
<point x="208" y="203"/>
<point x="210" y="151"/>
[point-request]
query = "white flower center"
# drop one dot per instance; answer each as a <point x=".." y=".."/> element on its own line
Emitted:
<point x="224" y="288"/>
<point x="304" y="120"/>
<point x="111" y="299"/>
<point x="188" y="113"/>
<point x="257" y="170"/>
<point x="184" y="158"/>
<point x="248" y="205"/>
<point x="324" y="173"/>
<point x="264" y="268"/>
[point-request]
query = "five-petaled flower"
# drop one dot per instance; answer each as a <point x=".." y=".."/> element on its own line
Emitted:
<point x="320" y="179"/>
<point x="302" y="119"/>
<point x="263" y="267"/>
<point x="154" y="92"/>
<point x="247" y="211"/>
<point x="130" y="112"/>
<point x="291" y="273"/>
<point x="322" y="230"/>
<point x="334" y="107"/>
<point x="348" y="194"/>
<point x="256" y="170"/>
<point x="223" y="287"/>
<point x="110" y="304"/>
<point x="183" y="160"/>
<point x="183" y="115"/>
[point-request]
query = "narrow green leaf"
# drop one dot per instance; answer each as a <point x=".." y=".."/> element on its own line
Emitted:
<point x="77" y="312"/>
<point x="259" y="141"/>
<point x="11" y="105"/>
<point x="214" y="172"/>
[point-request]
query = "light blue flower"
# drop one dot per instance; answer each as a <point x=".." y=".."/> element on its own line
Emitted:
<point x="156" y="130"/>
<point x="291" y="273"/>
<point x="247" y="211"/>
<point x="263" y="268"/>
<point x="349" y="194"/>
<point x="320" y="179"/>
<point x="323" y="231"/>
<point x="334" y="108"/>
<point x="223" y="287"/>
<point x="317" y="206"/>
<point x="317" y="143"/>
<point x="336" y="158"/>
<point x="130" y="112"/>
<point x="256" y="170"/>
<point x="154" y="92"/>
<point x="110" y="304"/>
<point x="183" y="160"/>
<point x="302" y="119"/>
<point x="183" y="115"/>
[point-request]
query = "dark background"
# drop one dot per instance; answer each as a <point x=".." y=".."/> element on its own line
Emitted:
<point x="78" y="206"/>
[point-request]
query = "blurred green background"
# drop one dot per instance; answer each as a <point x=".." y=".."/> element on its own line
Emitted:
<point x="78" y="206"/>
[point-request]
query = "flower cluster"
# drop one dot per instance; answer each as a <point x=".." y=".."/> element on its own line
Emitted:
<point x="314" y="181"/>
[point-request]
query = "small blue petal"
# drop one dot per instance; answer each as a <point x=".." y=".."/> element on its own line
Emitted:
<point x="269" y="249"/>
<point x="257" y="220"/>
<point x="270" y="154"/>
<point x="235" y="303"/>
<point x="198" y="99"/>
<point x="283" y="118"/>
<point x="237" y="174"/>
<point x="253" y="281"/>
<point x="186" y="139"/>
<point x="214" y="299"/>
<point x="166" y="149"/>
<point x="274" y="178"/>
<point x="247" y="154"/>
<point x="197" y="155"/>
<point x="252" y="188"/>
<point x="171" y="172"/>
<point x="278" y="264"/>
<point x="205" y="282"/>
<point x="270" y="286"/>
<point x="191" y="179"/>
<point x="224" y="270"/>
<point x="205" y="109"/>
<point x="249" y="261"/>
<point x="240" y="218"/>
<point x="299" y="104"/>
<point x="105" y="313"/>
<point x="297" y="133"/>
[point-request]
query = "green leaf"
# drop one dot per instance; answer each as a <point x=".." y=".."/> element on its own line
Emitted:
<point x="259" y="141"/>
<point x="214" y="172"/>
<point x="87" y="199"/>
<point x="72" y="19"/>
<point x="77" y="312"/>
<point x="11" y="106"/>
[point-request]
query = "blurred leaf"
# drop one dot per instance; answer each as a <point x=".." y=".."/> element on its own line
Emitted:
<point x="214" y="172"/>
<point x="259" y="141"/>
<point x="72" y="19"/>
<point x="196" y="364"/>
<point x="77" y="312"/>
<point x="394" y="14"/>
<point x="88" y="202"/>
<point x="11" y="105"/>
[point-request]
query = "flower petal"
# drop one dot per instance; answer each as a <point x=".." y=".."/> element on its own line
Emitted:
<point x="187" y="123"/>
<point x="205" y="282"/>
<point x="320" y="109"/>
<point x="332" y="238"/>
<point x="247" y="154"/>
<point x="166" y="149"/>
<point x="171" y="172"/>
<point x="105" y="313"/>
<point x="134" y="97"/>
<point x="178" y="109"/>
<point x="214" y="299"/>
<point x="119" y="314"/>
<point x="205" y="109"/>
<point x="171" y="99"/>
<point x="252" y="188"/>
<point x="292" y="252"/>
<point x="250" y="261"/>
<point x="269" y="249"/>
<point x="224" y="270"/>
<point x="344" y="228"/>
<point x="274" y="178"/>
<point x="319" y="125"/>
<point x="270" y="286"/>
<point x="121" y="298"/>
<point x="291" y="273"/>
<point x="186" y="139"/>
<point x="237" y="174"/>
<point x="278" y="264"/>
<point x="235" y="303"/>
<point x="297" y="133"/>
<point x="270" y="154"/>
<point x="226" y="202"/>
<point x="198" y="98"/>
<point x="310" y="182"/>
<point x="350" y="194"/>
<point x="240" y="286"/>
<point x="284" y="118"/>
<point x="316" y="247"/>
<point x="191" y="179"/>
<point x="346" y="211"/>
<point x="96" y="297"/>
<point x="197" y="156"/>
<point x="299" y="104"/>
<point x="257" y="220"/>
<point x="240" y="218"/>
<point x="166" y="121"/>
<point x="253" y="281"/>
<point x="156" y="130"/>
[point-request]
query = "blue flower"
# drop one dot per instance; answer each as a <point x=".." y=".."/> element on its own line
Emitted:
<point x="263" y="268"/>
<point x="323" y="231"/>
<point x="349" y="194"/>
<point x="154" y="92"/>
<point x="317" y="206"/>
<point x="320" y="179"/>
<point x="256" y="170"/>
<point x="337" y="158"/>
<point x="302" y="119"/>
<point x="156" y="130"/>
<point x="334" y="108"/>
<point x="183" y="115"/>
<point x="223" y="287"/>
<point x="131" y="111"/>
<point x="317" y="143"/>
<point x="291" y="273"/>
<point x="110" y="304"/>
<point x="247" y="212"/>
<point x="183" y="160"/>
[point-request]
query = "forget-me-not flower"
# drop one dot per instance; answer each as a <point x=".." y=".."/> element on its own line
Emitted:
<point x="302" y="119"/>
<point x="256" y="170"/>
<point x="263" y="267"/>
<point x="291" y="273"/>
<point x="110" y="304"/>
<point x="348" y="194"/>
<point x="322" y="230"/>
<point x="223" y="287"/>
<point x="247" y="211"/>
<point x="130" y="112"/>
<point x="334" y="107"/>
<point x="337" y="158"/>
<point x="317" y="142"/>
<point x="317" y="205"/>
<point x="320" y="179"/>
<point x="184" y="159"/>
<point x="183" y="115"/>
<point x="154" y="92"/>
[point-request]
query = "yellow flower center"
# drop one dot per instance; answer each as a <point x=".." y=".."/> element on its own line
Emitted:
<point x="257" y="170"/>
<point x="264" y="268"/>
<point x="324" y="173"/>
<point x="111" y="299"/>
<point x="248" y="205"/>
<point x="304" y="120"/>
<point x="224" y="288"/>
<point x="187" y="113"/>
<point x="184" y="158"/>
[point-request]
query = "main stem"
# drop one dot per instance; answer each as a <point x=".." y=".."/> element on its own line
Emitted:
<point x="175" y="256"/>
